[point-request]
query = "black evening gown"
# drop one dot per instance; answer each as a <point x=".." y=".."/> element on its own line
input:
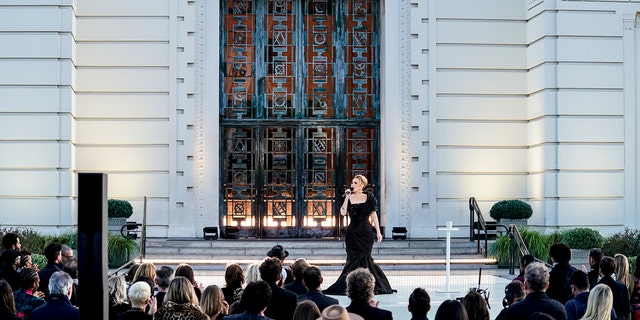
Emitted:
<point x="359" y="242"/>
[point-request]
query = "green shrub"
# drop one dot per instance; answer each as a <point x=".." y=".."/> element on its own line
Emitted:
<point x="30" y="239"/>
<point x="626" y="242"/>
<point x="537" y="244"/>
<point x="510" y="209"/>
<point x="582" y="238"/>
<point x="120" y="250"/>
<point x="632" y="263"/>
<point x="119" y="208"/>
<point x="39" y="259"/>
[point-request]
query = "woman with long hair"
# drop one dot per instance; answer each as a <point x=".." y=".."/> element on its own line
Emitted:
<point x="234" y="279"/>
<point x="599" y="304"/>
<point x="180" y="302"/>
<point x="185" y="270"/>
<point x="451" y="310"/>
<point x="213" y="303"/>
<point x="7" y="306"/>
<point x="622" y="271"/>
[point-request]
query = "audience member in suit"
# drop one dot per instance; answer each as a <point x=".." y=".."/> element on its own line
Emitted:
<point x="312" y="279"/>
<point x="536" y="282"/>
<point x="27" y="298"/>
<point x="53" y="253"/>
<point x="7" y="306"/>
<point x="419" y="304"/>
<point x="360" y="286"/>
<point x="559" y="288"/>
<point x="255" y="298"/>
<point x="513" y="292"/>
<point x="162" y="280"/>
<point x="452" y="310"/>
<point x="234" y="279"/>
<point x="57" y="306"/>
<point x="595" y="255"/>
<point x="306" y="310"/>
<point x="141" y="299"/>
<point x="297" y="269"/>
<point x="620" y="293"/>
<point x="10" y="260"/>
<point x="283" y="302"/>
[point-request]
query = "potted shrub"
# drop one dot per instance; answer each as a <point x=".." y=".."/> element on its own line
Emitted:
<point x="581" y="240"/>
<point x="511" y="212"/>
<point x="120" y="250"/>
<point x="118" y="211"/>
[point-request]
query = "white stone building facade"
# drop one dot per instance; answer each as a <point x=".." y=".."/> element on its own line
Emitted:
<point x="493" y="99"/>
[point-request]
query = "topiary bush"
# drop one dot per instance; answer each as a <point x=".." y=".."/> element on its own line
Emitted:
<point x="626" y="242"/>
<point x="510" y="209"/>
<point x="582" y="238"/>
<point x="119" y="208"/>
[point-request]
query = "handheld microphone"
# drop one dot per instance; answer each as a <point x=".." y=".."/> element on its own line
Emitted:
<point x="347" y="192"/>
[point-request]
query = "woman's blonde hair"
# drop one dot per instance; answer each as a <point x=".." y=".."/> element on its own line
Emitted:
<point x="117" y="290"/>
<point x="181" y="291"/>
<point x="622" y="271"/>
<point x="147" y="269"/>
<point x="362" y="179"/>
<point x="253" y="273"/>
<point x="212" y="301"/>
<point x="599" y="304"/>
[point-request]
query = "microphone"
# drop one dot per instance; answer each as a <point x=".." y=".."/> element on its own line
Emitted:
<point x="347" y="192"/>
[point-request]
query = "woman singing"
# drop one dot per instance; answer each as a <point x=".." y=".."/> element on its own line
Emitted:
<point x="362" y="208"/>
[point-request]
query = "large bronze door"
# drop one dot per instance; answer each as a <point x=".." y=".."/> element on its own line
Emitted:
<point x="299" y="112"/>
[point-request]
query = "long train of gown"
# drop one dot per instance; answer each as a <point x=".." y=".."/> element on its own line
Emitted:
<point x="359" y="243"/>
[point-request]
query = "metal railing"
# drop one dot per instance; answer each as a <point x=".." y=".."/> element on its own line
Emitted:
<point x="481" y="225"/>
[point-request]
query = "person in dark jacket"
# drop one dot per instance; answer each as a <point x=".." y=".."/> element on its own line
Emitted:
<point x="360" y="286"/>
<point x="620" y="292"/>
<point x="419" y="304"/>
<point x="559" y="288"/>
<point x="595" y="255"/>
<point x="283" y="302"/>
<point x="297" y="268"/>
<point x="53" y="253"/>
<point x="312" y="279"/>
<point x="536" y="281"/>
<point x="58" y="306"/>
<point x="577" y="306"/>
<point x="10" y="260"/>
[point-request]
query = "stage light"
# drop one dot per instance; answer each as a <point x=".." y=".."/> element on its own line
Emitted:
<point x="399" y="233"/>
<point x="210" y="233"/>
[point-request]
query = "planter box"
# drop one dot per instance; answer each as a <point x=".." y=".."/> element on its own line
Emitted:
<point x="115" y="224"/>
<point x="520" y="223"/>
<point x="580" y="257"/>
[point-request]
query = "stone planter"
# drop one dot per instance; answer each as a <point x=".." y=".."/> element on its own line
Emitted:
<point x="115" y="224"/>
<point x="579" y="257"/>
<point x="520" y="223"/>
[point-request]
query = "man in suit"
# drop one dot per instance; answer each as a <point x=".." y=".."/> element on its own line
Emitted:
<point x="296" y="286"/>
<point x="536" y="282"/>
<point x="53" y="253"/>
<point x="620" y="293"/>
<point x="312" y="279"/>
<point x="283" y="302"/>
<point x="360" y="286"/>
<point x="58" y="306"/>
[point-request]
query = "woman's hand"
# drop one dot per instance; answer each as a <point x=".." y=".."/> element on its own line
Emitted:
<point x="379" y="235"/>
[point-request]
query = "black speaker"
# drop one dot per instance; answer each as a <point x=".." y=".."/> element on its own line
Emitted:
<point x="210" y="233"/>
<point x="399" y="233"/>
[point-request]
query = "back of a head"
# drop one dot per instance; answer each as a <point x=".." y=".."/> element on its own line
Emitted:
<point x="147" y="280"/>
<point x="139" y="292"/>
<point x="596" y="254"/>
<point x="131" y="273"/>
<point x="253" y="273"/>
<point x="10" y="241"/>
<point x="580" y="280"/>
<point x="181" y="291"/>
<point x="513" y="291"/>
<point x="51" y="251"/>
<point x="537" y="276"/>
<point x="312" y="277"/>
<point x="419" y="303"/>
<point x="607" y="266"/>
<point x="117" y="289"/>
<point x="28" y="277"/>
<point x="560" y="252"/>
<point x="270" y="269"/>
<point x="233" y="275"/>
<point x="71" y="267"/>
<point x="599" y="303"/>
<point x="475" y="305"/>
<point x="526" y="259"/>
<point x="298" y="267"/>
<point x="60" y="283"/>
<point x="306" y="310"/>
<point x="163" y="277"/>
<point x="256" y="296"/>
<point x="147" y="269"/>
<point x="6" y="297"/>
<point x="622" y="266"/>
<point x="360" y="284"/>
<point x="185" y="270"/>
<point x="211" y="300"/>
<point x="451" y="310"/>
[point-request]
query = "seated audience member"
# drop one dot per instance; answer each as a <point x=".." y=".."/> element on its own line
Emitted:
<point x="621" y="304"/>
<point x="255" y="298"/>
<point x="53" y="254"/>
<point x="560" y="273"/>
<point x="595" y="255"/>
<point x="71" y="267"/>
<point x="10" y="260"/>
<point x="312" y="279"/>
<point x="213" y="303"/>
<point x="451" y="310"/>
<point x="57" y="306"/>
<point x="253" y="273"/>
<point x="297" y="269"/>
<point x="622" y="271"/>
<point x="66" y="254"/>
<point x="419" y="304"/>
<point x="162" y="280"/>
<point x="536" y="277"/>
<point x="185" y="270"/>
<point x="11" y="241"/>
<point x="117" y="296"/>
<point x="131" y="273"/>
<point x="279" y="252"/>
<point x="180" y="302"/>
<point x="141" y="299"/>
<point x="234" y="279"/>
<point x="26" y="261"/>
<point x="283" y="302"/>
<point x="513" y="292"/>
<point x="525" y="260"/>
<point x="599" y="304"/>
<point x="27" y="298"/>
<point x="7" y="306"/>
<point x="338" y="312"/>
<point x="476" y="306"/>
<point x="577" y="305"/>
<point x="146" y="269"/>
<point x="360" y="286"/>
<point x="306" y="310"/>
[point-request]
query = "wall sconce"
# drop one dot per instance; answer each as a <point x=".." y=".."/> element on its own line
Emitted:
<point x="210" y="233"/>
<point x="399" y="233"/>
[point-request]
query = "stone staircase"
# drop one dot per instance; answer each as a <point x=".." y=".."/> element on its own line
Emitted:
<point x="330" y="253"/>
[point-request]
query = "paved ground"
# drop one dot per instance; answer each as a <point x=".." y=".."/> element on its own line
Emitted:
<point x="434" y="281"/>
